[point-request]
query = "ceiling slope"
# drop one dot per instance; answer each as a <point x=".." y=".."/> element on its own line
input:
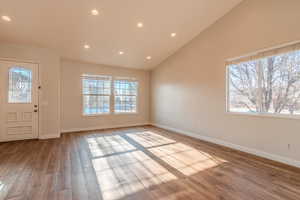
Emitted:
<point x="67" y="25"/>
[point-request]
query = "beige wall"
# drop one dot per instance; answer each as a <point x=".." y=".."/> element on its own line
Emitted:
<point x="188" y="90"/>
<point x="71" y="97"/>
<point x="49" y="75"/>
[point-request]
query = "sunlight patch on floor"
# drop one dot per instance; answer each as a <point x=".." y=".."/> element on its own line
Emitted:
<point x="1" y="186"/>
<point x="150" y="139"/>
<point x="106" y="145"/>
<point x="186" y="159"/>
<point x="128" y="173"/>
<point x="123" y="168"/>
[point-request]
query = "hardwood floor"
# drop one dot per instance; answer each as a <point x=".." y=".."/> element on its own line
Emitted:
<point x="138" y="164"/>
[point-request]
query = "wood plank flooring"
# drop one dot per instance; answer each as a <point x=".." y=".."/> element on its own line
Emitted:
<point x="141" y="163"/>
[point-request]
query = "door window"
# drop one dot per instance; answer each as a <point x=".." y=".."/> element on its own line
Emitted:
<point x="20" y="85"/>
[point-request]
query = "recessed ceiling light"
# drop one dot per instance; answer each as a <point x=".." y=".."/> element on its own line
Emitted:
<point x="140" y="25"/>
<point x="6" y="18"/>
<point x="148" y="57"/>
<point x="121" y="52"/>
<point x="173" y="34"/>
<point x="86" y="46"/>
<point x="94" y="12"/>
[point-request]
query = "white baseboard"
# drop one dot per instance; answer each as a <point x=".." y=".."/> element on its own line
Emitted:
<point x="48" y="136"/>
<point x="256" y="152"/>
<point x="102" y="127"/>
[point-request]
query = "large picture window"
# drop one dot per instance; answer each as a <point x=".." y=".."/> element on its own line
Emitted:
<point x="267" y="83"/>
<point x="125" y="91"/>
<point x="96" y="92"/>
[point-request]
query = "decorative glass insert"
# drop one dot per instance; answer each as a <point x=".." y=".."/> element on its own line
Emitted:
<point x="125" y="96"/>
<point x="20" y="85"/>
<point x="96" y="92"/>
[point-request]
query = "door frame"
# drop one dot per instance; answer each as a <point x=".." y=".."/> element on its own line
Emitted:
<point x="39" y="124"/>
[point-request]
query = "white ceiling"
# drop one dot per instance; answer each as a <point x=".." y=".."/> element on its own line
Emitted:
<point x="66" y="25"/>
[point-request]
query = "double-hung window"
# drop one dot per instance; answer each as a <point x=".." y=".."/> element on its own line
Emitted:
<point x="125" y="94"/>
<point x="106" y="94"/>
<point x="266" y="83"/>
<point x="96" y="92"/>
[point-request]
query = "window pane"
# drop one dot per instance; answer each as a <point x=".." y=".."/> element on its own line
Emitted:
<point x="20" y="85"/>
<point x="96" y="94"/>
<point x="126" y="104"/>
<point x="125" y="96"/>
<point x="244" y="87"/>
<point x="96" y="86"/>
<point x="95" y="104"/>
<point x="123" y="87"/>
<point x="281" y="84"/>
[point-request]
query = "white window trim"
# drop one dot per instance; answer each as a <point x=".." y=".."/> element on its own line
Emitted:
<point x="112" y="97"/>
<point x="264" y="115"/>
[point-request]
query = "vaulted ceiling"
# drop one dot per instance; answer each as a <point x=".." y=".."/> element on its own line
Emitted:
<point x="65" y="26"/>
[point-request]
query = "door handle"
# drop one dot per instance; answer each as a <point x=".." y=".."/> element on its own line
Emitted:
<point x="35" y="110"/>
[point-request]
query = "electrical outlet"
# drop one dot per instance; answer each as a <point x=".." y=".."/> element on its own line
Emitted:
<point x="289" y="146"/>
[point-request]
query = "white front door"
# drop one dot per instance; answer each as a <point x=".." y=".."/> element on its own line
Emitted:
<point x="19" y="101"/>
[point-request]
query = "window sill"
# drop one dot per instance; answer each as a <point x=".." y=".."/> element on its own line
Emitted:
<point x="126" y="113"/>
<point x="96" y="115"/>
<point x="109" y="114"/>
<point x="278" y="116"/>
